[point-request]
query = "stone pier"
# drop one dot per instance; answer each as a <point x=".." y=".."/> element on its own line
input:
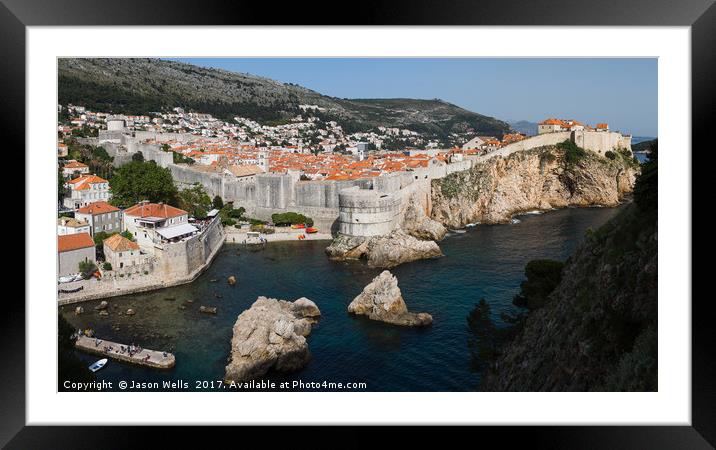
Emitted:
<point x="156" y="360"/>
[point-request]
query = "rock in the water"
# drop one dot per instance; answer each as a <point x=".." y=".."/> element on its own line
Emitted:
<point x="102" y="305"/>
<point x="103" y="312"/>
<point x="131" y="312"/>
<point x="382" y="300"/>
<point x="79" y="310"/>
<point x="231" y="280"/>
<point x="399" y="247"/>
<point x="208" y="309"/>
<point x="304" y="307"/>
<point x="396" y="248"/>
<point x="347" y="247"/>
<point x="270" y="335"/>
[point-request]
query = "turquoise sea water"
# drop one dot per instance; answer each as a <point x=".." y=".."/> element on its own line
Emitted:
<point x="487" y="261"/>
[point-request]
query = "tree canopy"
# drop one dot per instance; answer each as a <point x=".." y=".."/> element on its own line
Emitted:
<point x="543" y="276"/>
<point x="142" y="180"/>
<point x="646" y="188"/>
<point x="195" y="200"/>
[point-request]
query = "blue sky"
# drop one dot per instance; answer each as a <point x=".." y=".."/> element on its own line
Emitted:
<point x="622" y="92"/>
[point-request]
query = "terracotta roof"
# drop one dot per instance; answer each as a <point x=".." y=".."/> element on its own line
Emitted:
<point x="602" y="126"/>
<point x="68" y="242"/>
<point x="83" y="182"/>
<point x="119" y="243"/>
<point x="75" y="165"/>
<point x="71" y="222"/>
<point x="245" y="170"/>
<point x="95" y="208"/>
<point x="154" y="210"/>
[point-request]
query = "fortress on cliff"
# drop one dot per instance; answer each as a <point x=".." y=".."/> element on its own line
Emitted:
<point x="357" y="207"/>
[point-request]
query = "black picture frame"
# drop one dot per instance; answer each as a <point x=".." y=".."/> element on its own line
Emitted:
<point x="700" y="15"/>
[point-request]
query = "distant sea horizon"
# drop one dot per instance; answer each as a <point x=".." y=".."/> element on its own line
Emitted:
<point x="638" y="139"/>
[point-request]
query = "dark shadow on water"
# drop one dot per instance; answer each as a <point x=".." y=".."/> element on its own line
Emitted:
<point x="486" y="261"/>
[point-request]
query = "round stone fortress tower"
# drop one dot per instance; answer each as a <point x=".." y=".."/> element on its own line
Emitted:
<point x="367" y="212"/>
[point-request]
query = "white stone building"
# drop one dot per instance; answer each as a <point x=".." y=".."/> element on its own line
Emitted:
<point x="125" y="256"/>
<point x="69" y="225"/>
<point x="157" y="223"/>
<point x="73" y="167"/>
<point x="86" y="189"/>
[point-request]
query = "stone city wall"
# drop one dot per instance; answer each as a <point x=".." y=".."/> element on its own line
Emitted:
<point x="180" y="259"/>
<point x="165" y="137"/>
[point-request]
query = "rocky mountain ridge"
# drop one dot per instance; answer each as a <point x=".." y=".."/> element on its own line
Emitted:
<point x="140" y="86"/>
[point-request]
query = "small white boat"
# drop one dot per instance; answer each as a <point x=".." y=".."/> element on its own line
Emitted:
<point x="98" y="365"/>
<point x="515" y="221"/>
<point x="458" y="231"/>
<point x="470" y="225"/>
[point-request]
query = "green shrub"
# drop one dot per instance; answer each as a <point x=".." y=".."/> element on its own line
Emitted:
<point x="290" y="218"/>
<point x="237" y="213"/>
<point x="610" y="154"/>
<point x="178" y="158"/>
<point x="87" y="268"/>
<point x="107" y="266"/>
<point x="572" y="152"/>
<point x="450" y="186"/>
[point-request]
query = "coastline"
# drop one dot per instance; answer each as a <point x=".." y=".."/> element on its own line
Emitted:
<point x="231" y="236"/>
<point x="152" y="284"/>
<point x="236" y="236"/>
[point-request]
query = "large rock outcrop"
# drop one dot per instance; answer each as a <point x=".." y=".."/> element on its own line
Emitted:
<point x="382" y="300"/>
<point x="396" y="248"/>
<point x="543" y="178"/>
<point x="271" y="335"/>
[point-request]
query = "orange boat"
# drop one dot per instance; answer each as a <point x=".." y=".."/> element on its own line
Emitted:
<point x="311" y="230"/>
<point x="298" y="226"/>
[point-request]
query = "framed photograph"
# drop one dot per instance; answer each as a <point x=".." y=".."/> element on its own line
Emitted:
<point x="379" y="220"/>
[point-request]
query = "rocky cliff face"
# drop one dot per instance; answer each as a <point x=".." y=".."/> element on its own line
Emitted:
<point x="543" y="178"/>
<point x="598" y="330"/>
<point x="417" y="224"/>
